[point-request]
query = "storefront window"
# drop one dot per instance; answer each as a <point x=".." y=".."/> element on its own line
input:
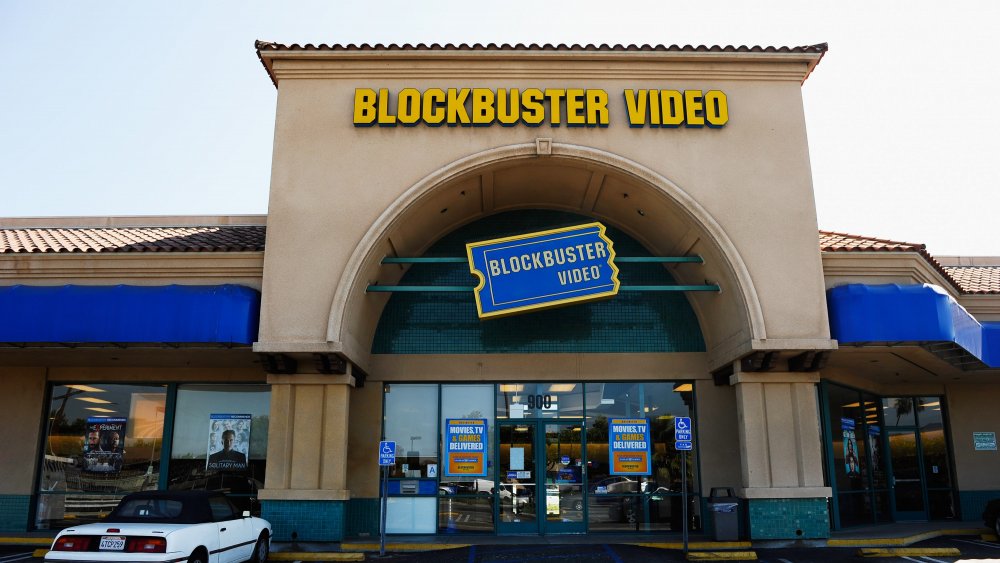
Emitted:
<point x="903" y="470"/>
<point x="101" y="442"/>
<point x="411" y="420"/>
<point x="220" y="440"/>
<point x="540" y="400"/>
<point x="466" y="505"/>
<point x="618" y="502"/>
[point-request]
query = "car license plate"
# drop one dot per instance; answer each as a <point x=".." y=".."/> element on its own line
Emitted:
<point x="112" y="543"/>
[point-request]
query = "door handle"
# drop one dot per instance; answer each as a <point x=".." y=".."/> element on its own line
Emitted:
<point x="222" y="530"/>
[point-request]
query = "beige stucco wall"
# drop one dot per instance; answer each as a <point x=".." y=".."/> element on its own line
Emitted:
<point x="331" y="182"/>
<point x="972" y="408"/>
<point x="21" y="413"/>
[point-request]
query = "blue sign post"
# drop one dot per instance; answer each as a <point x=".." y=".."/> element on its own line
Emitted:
<point x="386" y="458"/>
<point x="683" y="431"/>
<point x="545" y="269"/>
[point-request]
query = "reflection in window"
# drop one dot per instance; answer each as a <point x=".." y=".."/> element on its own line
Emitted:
<point x="101" y="442"/>
<point x="207" y="418"/>
<point x="468" y="401"/>
<point x="619" y="502"/>
<point x="411" y="420"/>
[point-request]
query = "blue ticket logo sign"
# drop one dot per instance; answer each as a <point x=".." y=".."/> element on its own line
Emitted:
<point x="541" y="270"/>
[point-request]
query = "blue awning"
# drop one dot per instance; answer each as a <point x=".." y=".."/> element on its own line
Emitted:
<point x="225" y="314"/>
<point x="923" y="314"/>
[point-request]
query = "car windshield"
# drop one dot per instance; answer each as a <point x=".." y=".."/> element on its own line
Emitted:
<point x="149" y="508"/>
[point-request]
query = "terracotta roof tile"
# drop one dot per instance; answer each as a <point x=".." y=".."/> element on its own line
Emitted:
<point x="232" y="238"/>
<point x="270" y="46"/>
<point x="133" y="239"/>
<point x="976" y="279"/>
<point x="967" y="279"/>
<point x="819" y="49"/>
<point x="840" y="242"/>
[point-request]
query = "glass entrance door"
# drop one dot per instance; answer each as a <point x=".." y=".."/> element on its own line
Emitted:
<point x="517" y="511"/>
<point x="907" y="482"/>
<point x="541" y="467"/>
<point x="564" y="467"/>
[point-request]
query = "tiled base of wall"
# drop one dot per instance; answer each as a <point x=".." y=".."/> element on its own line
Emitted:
<point x="362" y="517"/>
<point x="14" y="512"/>
<point x="792" y="518"/>
<point x="305" y="520"/>
<point x="973" y="503"/>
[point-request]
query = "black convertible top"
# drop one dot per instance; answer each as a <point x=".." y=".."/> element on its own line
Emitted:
<point x="165" y="507"/>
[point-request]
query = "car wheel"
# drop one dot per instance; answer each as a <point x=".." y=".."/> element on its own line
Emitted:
<point x="198" y="556"/>
<point x="996" y="526"/>
<point x="260" y="551"/>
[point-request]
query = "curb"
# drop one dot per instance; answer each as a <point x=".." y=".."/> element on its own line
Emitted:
<point x="401" y="547"/>
<point x="911" y="552"/>
<point x="721" y="556"/>
<point x="323" y="556"/>
<point x="47" y="542"/>
<point x="706" y="546"/>
<point x="904" y="541"/>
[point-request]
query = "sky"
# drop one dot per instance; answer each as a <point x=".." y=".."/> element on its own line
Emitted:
<point x="162" y="108"/>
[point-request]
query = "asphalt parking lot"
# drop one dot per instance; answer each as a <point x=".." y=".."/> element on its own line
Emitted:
<point x="971" y="549"/>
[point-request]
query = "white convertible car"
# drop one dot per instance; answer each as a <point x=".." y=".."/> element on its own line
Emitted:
<point x="168" y="526"/>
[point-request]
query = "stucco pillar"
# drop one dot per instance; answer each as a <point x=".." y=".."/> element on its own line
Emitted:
<point x="305" y="491"/>
<point x="781" y="454"/>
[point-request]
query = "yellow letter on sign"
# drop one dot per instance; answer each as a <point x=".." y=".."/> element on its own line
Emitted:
<point x="364" y="107"/>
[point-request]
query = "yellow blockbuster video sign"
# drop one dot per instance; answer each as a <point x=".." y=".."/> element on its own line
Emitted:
<point x="533" y="107"/>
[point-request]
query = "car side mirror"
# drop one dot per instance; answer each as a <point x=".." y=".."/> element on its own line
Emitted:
<point x="246" y="513"/>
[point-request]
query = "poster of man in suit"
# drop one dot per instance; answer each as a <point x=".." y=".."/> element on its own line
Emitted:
<point x="228" y="442"/>
<point x="104" y="445"/>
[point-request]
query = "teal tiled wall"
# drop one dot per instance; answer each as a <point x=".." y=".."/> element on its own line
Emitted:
<point x="14" y="512"/>
<point x="973" y="503"/>
<point x="447" y="323"/>
<point x="793" y="518"/>
<point x="308" y="520"/>
<point x="362" y="517"/>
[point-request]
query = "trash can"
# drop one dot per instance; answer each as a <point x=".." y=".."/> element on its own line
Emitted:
<point x="725" y="508"/>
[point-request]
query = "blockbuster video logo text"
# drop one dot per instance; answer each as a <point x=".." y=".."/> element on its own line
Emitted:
<point x="533" y="107"/>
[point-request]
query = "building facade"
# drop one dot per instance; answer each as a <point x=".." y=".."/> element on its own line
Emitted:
<point x="829" y="385"/>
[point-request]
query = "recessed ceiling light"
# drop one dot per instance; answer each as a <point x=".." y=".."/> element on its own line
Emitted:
<point x="86" y="388"/>
<point x="93" y="400"/>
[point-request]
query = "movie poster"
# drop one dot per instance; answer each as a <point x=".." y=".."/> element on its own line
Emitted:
<point x="228" y="442"/>
<point x="104" y="445"/>
<point x="851" y="463"/>
<point x="874" y="447"/>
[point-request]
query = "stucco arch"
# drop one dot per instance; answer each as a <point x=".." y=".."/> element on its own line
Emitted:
<point x="354" y="313"/>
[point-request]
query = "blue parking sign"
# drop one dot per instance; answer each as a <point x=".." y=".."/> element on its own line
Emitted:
<point x="682" y="424"/>
<point x="387" y="453"/>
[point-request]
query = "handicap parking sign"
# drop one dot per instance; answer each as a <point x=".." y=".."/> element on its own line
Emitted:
<point x="387" y="453"/>
<point x="682" y="424"/>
